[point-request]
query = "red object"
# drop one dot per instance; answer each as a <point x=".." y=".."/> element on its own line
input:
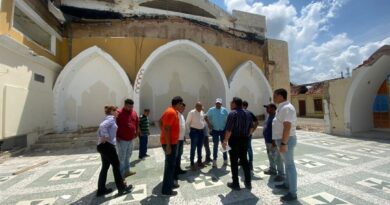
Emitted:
<point x="170" y="118"/>
<point x="127" y="122"/>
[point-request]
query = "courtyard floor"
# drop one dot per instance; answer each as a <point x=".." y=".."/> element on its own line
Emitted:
<point x="331" y="170"/>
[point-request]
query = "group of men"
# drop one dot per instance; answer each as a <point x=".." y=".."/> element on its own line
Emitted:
<point x="234" y="130"/>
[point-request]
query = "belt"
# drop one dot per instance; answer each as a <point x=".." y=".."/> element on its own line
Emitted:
<point x="196" y="129"/>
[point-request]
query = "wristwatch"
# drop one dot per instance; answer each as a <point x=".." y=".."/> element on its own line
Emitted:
<point x="282" y="143"/>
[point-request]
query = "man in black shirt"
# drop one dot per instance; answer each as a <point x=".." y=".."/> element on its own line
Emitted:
<point x="239" y="126"/>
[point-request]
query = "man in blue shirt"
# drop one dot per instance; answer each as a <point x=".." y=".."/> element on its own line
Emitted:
<point x="239" y="126"/>
<point x="275" y="161"/>
<point x="216" y="120"/>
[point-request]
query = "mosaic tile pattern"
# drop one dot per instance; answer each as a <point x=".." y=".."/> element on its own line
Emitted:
<point x="331" y="170"/>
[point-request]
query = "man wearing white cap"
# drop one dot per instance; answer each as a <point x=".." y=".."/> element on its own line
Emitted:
<point x="216" y="120"/>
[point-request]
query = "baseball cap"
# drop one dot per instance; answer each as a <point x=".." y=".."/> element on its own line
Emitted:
<point x="270" y="105"/>
<point x="218" y="100"/>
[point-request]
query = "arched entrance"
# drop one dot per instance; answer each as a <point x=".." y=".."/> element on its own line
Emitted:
<point x="382" y="106"/>
<point x="249" y="83"/>
<point x="358" y="110"/>
<point x="88" y="82"/>
<point x="182" y="68"/>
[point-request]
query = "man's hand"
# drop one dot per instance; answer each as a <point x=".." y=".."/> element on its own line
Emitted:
<point x="168" y="150"/>
<point x="283" y="148"/>
<point x="224" y="145"/>
<point x="103" y="139"/>
<point x="273" y="144"/>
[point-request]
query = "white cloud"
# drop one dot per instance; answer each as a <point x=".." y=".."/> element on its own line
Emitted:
<point x="309" y="60"/>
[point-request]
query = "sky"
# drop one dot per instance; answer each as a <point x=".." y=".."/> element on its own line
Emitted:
<point x="325" y="37"/>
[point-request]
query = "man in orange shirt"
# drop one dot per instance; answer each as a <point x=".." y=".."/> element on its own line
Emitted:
<point x="170" y="129"/>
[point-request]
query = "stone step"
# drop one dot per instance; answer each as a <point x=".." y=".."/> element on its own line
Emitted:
<point x="67" y="135"/>
<point x="65" y="139"/>
<point x="64" y="145"/>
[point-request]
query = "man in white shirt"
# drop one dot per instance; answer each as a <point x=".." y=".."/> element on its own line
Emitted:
<point x="180" y="144"/>
<point x="196" y="123"/>
<point x="283" y="132"/>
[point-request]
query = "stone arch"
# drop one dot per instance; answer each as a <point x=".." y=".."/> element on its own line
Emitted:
<point x="183" y="68"/>
<point x="249" y="83"/>
<point x="89" y="81"/>
<point x="358" y="109"/>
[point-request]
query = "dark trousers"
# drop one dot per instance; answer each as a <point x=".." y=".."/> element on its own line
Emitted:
<point x="109" y="156"/>
<point x="180" y="145"/>
<point x="218" y="136"/>
<point x="239" y="150"/>
<point x="169" y="170"/>
<point x="143" y="146"/>
<point x="196" y="144"/>
<point x="207" y="147"/>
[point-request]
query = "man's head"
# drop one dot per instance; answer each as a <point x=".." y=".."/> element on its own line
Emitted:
<point x="182" y="108"/>
<point x="245" y="104"/>
<point x="218" y="103"/>
<point x="146" y="112"/>
<point x="129" y="104"/>
<point x="270" y="108"/>
<point x="280" y="95"/>
<point x="177" y="102"/>
<point x="236" y="103"/>
<point x="198" y="106"/>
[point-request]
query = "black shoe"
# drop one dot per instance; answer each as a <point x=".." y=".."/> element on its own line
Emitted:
<point x="146" y="155"/>
<point x="124" y="191"/>
<point x="208" y="161"/>
<point x="233" y="186"/>
<point x="270" y="172"/>
<point x="173" y="193"/>
<point x="281" y="186"/>
<point x="288" y="197"/>
<point x="104" y="192"/>
<point x="175" y="186"/>
<point x="279" y="179"/>
<point x="182" y="171"/>
<point x="248" y="185"/>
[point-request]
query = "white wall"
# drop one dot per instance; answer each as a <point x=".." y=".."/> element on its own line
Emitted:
<point x="26" y="106"/>
<point x="182" y="68"/>
<point x="358" y="110"/>
<point x="178" y="74"/>
<point x="249" y="83"/>
<point x="90" y="81"/>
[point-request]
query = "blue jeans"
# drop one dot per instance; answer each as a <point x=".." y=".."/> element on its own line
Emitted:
<point x="275" y="161"/>
<point x="197" y="137"/>
<point x="217" y="137"/>
<point x="169" y="170"/>
<point x="288" y="159"/>
<point x="125" y="149"/>
<point x="143" y="146"/>
<point x="250" y="151"/>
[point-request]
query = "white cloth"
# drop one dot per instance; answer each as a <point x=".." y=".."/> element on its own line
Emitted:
<point x="285" y="113"/>
<point x="182" y="122"/>
<point x="195" y="119"/>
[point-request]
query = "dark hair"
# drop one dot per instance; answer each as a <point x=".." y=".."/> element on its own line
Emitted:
<point x="129" y="102"/>
<point x="146" y="110"/>
<point x="238" y="102"/>
<point x="245" y="104"/>
<point x="184" y="104"/>
<point x="282" y="92"/>
<point x="109" y="108"/>
<point x="176" y="100"/>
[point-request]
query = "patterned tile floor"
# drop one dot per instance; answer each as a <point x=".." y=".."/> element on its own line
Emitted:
<point x="332" y="170"/>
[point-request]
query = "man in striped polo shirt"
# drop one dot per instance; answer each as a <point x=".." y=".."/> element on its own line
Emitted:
<point x="144" y="134"/>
